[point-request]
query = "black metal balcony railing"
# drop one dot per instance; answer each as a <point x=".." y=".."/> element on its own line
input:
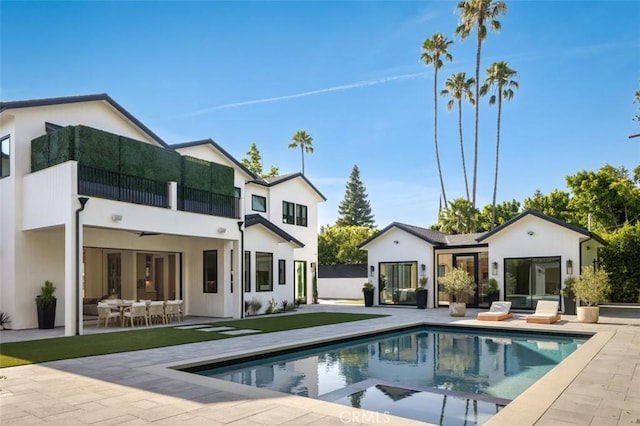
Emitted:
<point x="133" y="189"/>
<point x="206" y="202"/>
<point x="121" y="187"/>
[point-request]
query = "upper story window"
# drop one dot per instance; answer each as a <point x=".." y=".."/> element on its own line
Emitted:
<point x="5" y="156"/>
<point x="301" y="215"/>
<point x="237" y="192"/>
<point x="288" y="212"/>
<point x="258" y="203"/>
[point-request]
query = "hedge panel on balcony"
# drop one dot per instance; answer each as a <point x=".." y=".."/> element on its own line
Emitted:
<point x="97" y="148"/>
<point x="149" y="161"/>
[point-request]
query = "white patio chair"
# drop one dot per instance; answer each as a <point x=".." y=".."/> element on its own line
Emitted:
<point x="107" y="314"/>
<point x="546" y="313"/>
<point x="155" y="311"/>
<point x="137" y="310"/>
<point x="497" y="312"/>
<point x="172" y="310"/>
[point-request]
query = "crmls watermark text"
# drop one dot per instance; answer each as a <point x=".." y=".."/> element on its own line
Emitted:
<point x="365" y="417"/>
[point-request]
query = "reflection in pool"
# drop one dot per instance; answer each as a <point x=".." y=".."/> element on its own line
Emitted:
<point x="437" y="375"/>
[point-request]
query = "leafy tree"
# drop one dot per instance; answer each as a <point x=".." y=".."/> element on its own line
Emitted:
<point x="459" y="218"/>
<point x="254" y="163"/>
<point x="636" y="97"/>
<point x="620" y="258"/>
<point x="433" y="50"/>
<point x="459" y="86"/>
<point x="355" y="208"/>
<point x="339" y="244"/>
<point x="555" y="204"/>
<point x="499" y="79"/>
<point x="303" y="140"/>
<point x="610" y="196"/>
<point x="475" y="14"/>
<point x="504" y="211"/>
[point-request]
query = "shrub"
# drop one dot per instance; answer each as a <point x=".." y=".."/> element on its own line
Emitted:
<point x="593" y="286"/>
<point x="46" y="294"/>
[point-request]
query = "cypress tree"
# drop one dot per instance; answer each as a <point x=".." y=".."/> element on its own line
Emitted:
<point x="355" y="208"/>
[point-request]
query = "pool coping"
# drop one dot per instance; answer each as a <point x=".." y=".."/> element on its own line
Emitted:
<point x="527" y="408"/>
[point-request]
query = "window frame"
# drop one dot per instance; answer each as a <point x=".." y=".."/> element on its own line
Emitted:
<point x="246" y="276"/>
<point x="5" y="141"/>
<point x="208" y="285"/>
<point x="301" y="219"/>
<point x="288" y="213"/>
<point x="260" y="287"/>
<point x="254" y="199"/>
<point x="282" y="272"/>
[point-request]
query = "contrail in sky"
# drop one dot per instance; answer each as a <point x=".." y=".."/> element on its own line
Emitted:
<point x="355" y="85"/>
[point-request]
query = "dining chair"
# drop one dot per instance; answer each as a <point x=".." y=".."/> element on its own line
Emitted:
<point x="155" y="310"/>
<point x="107" y="314"/>
<point x="137" y="310"/>
<point x="172" y="310"/>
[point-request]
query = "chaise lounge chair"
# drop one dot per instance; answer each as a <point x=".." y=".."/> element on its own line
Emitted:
<point x="546" y="313"/>
<point x="497" y="312"/>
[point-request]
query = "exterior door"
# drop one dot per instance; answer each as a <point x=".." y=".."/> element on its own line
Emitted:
<point x="468" y="263"/>
<point x="114" y="274"/>
<point x="300" y="278"/>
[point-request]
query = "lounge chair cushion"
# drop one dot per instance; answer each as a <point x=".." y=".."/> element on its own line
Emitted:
<point x="497" y="312"/>
<point x="546" y="313"/>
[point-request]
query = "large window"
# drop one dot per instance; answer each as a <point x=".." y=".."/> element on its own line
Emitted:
<point x="288" y="212"/>
<point x="247" y="271"/>
<point x="5" y="156"/>
<point x="210" y="271"/>
<point x="301" y="215"/>
<point x="264" y="271"/>
<point x="258" y="203"/>
<point x="531" y="279"/>
<point x="282" y="271"/>
<point x="397" y="281"/>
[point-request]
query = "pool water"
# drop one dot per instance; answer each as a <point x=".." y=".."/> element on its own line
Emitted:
<point x="437" y="375"/>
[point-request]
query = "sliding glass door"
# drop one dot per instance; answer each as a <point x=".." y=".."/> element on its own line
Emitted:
<point x="531" y="279"/>
<point x="398" y="283"/>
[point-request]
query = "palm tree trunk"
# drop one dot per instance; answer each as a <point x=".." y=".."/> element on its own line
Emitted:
<point x="475" y="130"/>
<point x="302" y="154"/>
<point x="495" y="178"/>
<point x="435" y="131"/>
<point x="464" y="164"/>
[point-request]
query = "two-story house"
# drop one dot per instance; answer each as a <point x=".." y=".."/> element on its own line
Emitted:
<point x="94" y="201"/>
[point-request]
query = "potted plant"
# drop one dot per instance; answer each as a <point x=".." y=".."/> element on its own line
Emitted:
<point x="367" y="291"/>
<point x="568" y="296"/>
<point x="421" y="293"/>
<point x="4" y="319"/>
<point x="591" y="288"/>
<point x="46" y="304"/>
<point x="459" y="285"/>
<point x="493" y="294"/>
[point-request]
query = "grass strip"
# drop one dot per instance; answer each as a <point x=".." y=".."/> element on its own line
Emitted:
<point x="36" y="351"/>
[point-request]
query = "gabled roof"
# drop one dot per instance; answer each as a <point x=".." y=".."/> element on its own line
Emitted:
<point x="256" y="219"/>
<point x="276" y="180"/>
<point x="542" y="216"/>
<point x="435" y="238"/>
<point x="219" y="149"/>
<point x="84" y="98"/>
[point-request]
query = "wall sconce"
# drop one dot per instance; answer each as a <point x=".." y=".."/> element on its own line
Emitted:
<point x="116" y="217"/>
<point x="423" y="269"/>
<point x="569" y="267"/>
<point x="312" y="265"/>
<point x="372" y="270"/>
<point x="222" y="230"/>
<point x="494" y="268"/>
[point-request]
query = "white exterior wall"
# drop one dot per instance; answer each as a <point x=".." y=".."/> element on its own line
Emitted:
<point x="341" y="288"/>
<point x="407" y="249"/>
<point x="547" y="239"/>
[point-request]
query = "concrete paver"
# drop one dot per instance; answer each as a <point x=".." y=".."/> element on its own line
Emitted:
<point x="136" y="388"/>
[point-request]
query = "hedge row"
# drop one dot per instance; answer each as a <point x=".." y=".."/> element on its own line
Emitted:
<point x="107" y="151"/>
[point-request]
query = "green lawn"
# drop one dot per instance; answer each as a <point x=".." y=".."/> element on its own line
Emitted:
<point x="35" y="351"/>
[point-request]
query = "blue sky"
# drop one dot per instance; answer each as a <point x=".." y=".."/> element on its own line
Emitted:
<point x="348" y="73"/>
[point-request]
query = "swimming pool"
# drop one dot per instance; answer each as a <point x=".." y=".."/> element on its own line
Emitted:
<point x="432" y="374"/>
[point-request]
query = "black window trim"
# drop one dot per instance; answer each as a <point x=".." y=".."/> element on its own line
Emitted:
<point x="253" y="206"/>
<point x="205" y="286"/>
<point x="8" y="172"/>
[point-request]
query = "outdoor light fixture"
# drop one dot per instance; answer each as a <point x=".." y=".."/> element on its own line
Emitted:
<point x="395" y="241"/>
<point x="423" y="269"/>
<point x="222" y="230"/>
<point x="494" y="268"/>
<point x="569" y="267"/>
<point x="116" y="217"/>
<point x="530" y="233"/>
<point x="372" y="269"/>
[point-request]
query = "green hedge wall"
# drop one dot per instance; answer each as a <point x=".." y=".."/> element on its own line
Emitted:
<point x="107" y="151"/>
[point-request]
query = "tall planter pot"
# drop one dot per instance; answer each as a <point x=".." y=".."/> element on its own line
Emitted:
<point x="588" y="314"/>
<point x="47" y="315"/>
<point x="569" y="304"/>
<point x="421" y="298"/>
<point x="368" y="298"/>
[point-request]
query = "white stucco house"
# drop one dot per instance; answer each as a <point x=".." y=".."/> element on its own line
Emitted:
<point x="96" y="202"/>
<point x="530" y="256"/>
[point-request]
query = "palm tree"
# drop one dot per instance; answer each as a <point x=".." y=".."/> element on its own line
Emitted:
<point x="499" y="78"/>
<point x="433" y="49"/>
<point x="303" y="140"/>
<point x="475" y="13"/>
<point x="459" y="218"/>
<point x="457" y="86"/>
